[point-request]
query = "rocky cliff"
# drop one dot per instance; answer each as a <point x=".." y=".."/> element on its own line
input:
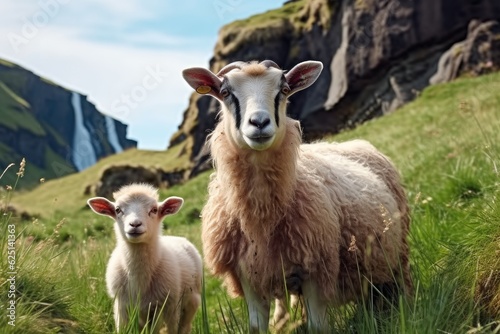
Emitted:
<point x="58" y="131"/>
<point x="378" y="55"/>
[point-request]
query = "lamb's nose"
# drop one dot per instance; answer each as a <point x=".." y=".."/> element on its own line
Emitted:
<point x="136" y="223"/>
<point x="260" y="120"/>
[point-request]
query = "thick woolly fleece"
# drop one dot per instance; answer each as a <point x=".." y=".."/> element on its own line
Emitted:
<point x="333" y="213"/>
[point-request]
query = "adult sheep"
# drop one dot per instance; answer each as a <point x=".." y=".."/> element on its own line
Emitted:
<point x="161" y="275"/>
<point x="312" y="219"/>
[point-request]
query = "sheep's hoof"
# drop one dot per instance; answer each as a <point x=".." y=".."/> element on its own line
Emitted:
<point x="279" y="322"/>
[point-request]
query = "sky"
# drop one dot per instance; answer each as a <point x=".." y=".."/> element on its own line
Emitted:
<point x="125" y="56"/>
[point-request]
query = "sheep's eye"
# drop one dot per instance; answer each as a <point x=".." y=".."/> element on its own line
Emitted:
<point x="153" y="211"/>
<point x="285" y="90"/>
<point x="224" y="93"/>
<point x="118" y="210"/>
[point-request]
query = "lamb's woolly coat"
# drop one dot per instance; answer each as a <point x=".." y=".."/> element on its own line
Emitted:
<point x="168" y="274"/>
<point x="167" y="270"/>
<point x="326" y="212"/>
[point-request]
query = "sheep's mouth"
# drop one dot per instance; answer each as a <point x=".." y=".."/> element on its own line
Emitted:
<point x="260" y="141"/>
<point x="134" y="234"/>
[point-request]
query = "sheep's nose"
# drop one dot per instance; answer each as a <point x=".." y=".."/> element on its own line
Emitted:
<point x="136" y="223"/>
<point x="260" y="120"/>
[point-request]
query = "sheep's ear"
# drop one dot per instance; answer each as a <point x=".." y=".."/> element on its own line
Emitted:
<point x="303" y="75"/>
<point x="203" y="81"/>
<point x="102" y="206"/>
<point x="170" y="206"/>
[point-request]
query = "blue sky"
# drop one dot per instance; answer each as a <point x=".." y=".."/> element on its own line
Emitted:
<point x="125" y="56"/>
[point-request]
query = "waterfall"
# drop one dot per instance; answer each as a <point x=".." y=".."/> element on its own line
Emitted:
<point x="112" y="136"/>
<point x="83" y="152"/>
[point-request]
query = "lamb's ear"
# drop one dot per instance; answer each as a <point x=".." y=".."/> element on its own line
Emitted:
<point x="303" y="75"/>
<point x="203" y="81"/>
<point x="170" y="206"/>
<point x="102" y="206"/>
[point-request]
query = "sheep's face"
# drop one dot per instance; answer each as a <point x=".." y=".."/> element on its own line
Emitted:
<point x="253" y="106"/>
<point x="253" y="97"/>
<point x="138" y="217"/>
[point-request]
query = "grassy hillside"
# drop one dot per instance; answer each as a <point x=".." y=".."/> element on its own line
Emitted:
<point x="16" y="117"/>
<point x="445" y="145"/>
<point x="297" y="15"/>
<point x="67" y="194"/>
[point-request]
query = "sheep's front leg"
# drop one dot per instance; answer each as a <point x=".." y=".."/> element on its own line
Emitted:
<point x="317" y="321"/>
<point x="172" y="318"/>
<point x="258" y="308"/>
<point x="280" y="313"/>
<point x="120" y="315"/>
<point x="191" y="304"/>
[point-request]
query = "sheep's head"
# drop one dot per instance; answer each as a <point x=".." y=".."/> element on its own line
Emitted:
<point x="253" y="97"/>
<point x="136" y="211"/>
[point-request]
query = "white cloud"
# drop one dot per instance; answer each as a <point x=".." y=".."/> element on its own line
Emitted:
<point x="125" y="10"/>
<point x="51" y="38"/>
<point x="109" y="73"/>
<point x="107" y="49"/>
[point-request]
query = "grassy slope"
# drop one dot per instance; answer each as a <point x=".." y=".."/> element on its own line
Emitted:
<point x="67" y="193"/>
<point x="270" y="17"/>
<point x="297" y="16"/>
<point x="17" y="117"/>
<point x="293" y="12"/>
<point x="444" y="143"/>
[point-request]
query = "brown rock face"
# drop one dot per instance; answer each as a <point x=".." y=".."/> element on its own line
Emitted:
<point x="479" y="53"/>
<point x="378" y="55"/>
<point x="115" y="177"/>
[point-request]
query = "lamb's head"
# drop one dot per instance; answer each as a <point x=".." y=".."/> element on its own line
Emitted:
<point x="253" y="97"/>
<point x="136" y="211"/>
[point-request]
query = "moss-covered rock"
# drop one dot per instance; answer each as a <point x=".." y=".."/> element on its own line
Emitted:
<point x="378" y="55"/>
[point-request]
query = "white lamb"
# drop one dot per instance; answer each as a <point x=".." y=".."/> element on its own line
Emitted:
<point x="318" y="220"/>
<point x="147" y="270"/>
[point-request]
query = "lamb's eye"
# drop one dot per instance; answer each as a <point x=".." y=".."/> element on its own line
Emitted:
<point x="153" y="211"/>
<point x="224" y="93"/>
<point x="285" y="90"/>
<point x="118" y="210"/>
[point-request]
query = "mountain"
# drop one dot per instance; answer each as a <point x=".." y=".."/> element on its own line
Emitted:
<point x="378" y="55"/>
<point x="58" y="131"/>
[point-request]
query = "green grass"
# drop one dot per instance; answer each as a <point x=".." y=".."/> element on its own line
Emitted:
<point x="67" y="194"/>
<point x="445" y="145"/>
<point x="291" y="18"/>
<point x="10" y="96"/>
<point x="15" y="115"/>
<point x="14" y="77"/>
<point x="270" y="17"/>
<point x="6" y="63"/>
<point x="57" y="166"/>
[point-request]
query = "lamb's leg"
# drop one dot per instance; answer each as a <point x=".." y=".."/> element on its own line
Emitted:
<point x="120" y="315"/>
<point x="172" y="318"/>
<point x="281" y="315"/>
<point x="258" y="308"/>
<point x="317" y="321"/>
<point x="188" y="313"/>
